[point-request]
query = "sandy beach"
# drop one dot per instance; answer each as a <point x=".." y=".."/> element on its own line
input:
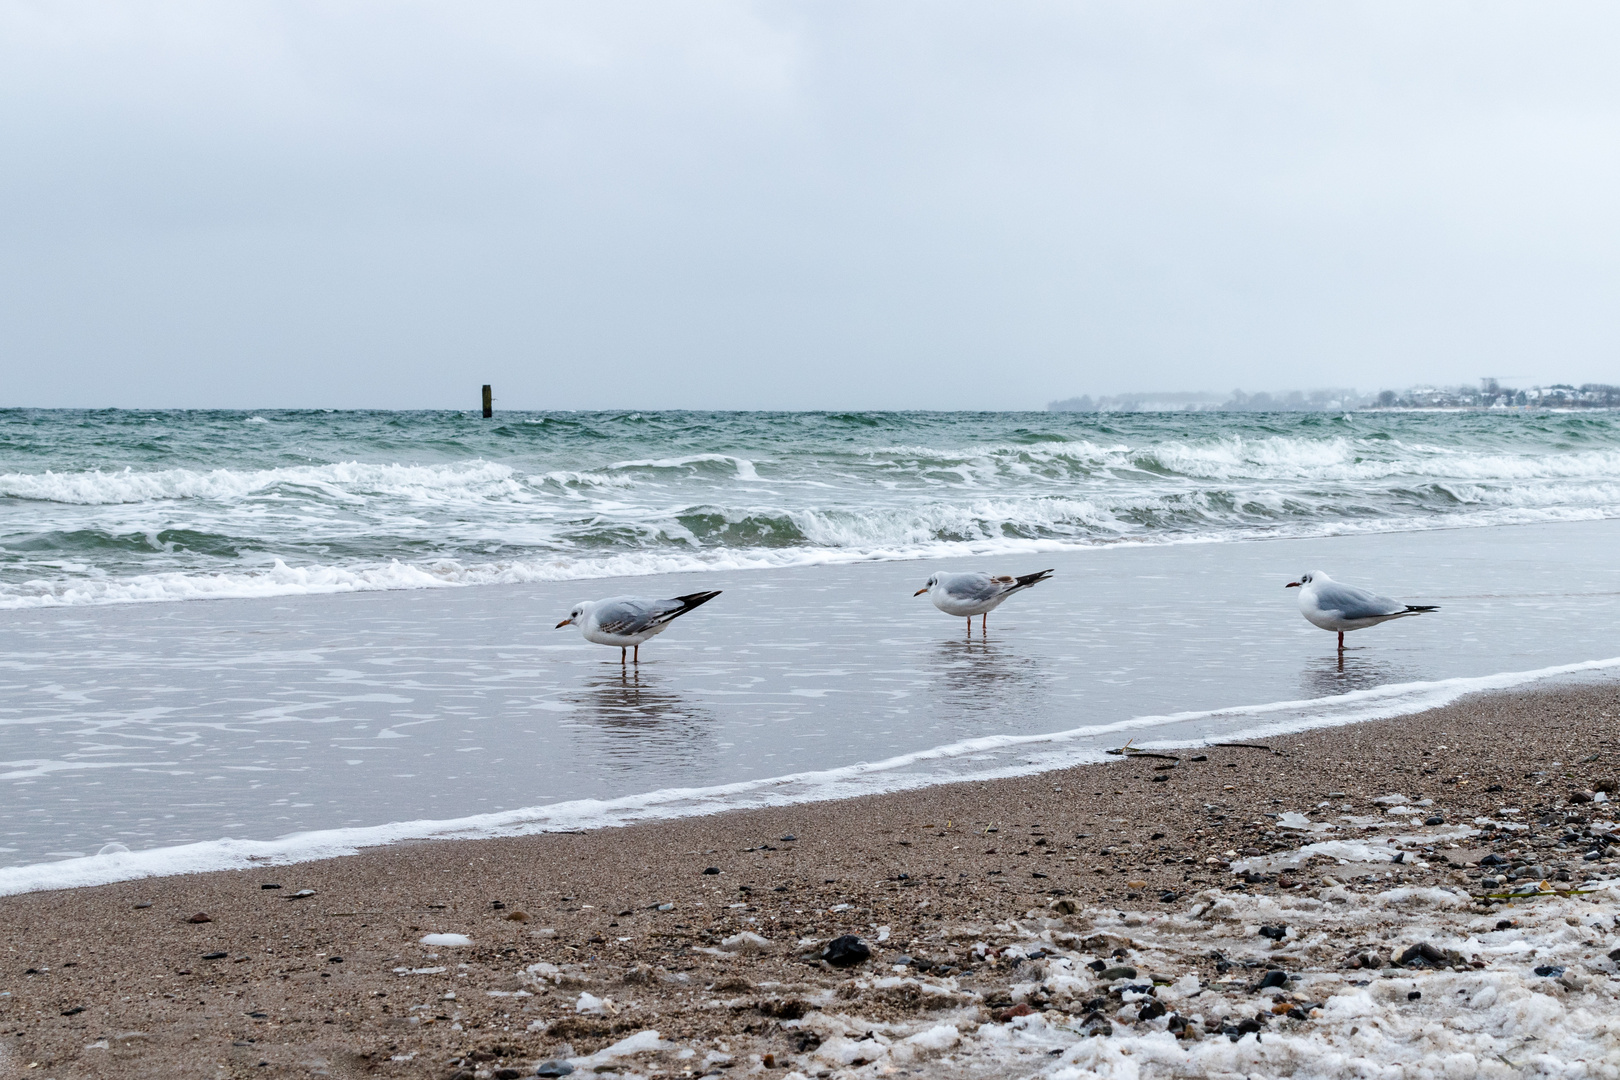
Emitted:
<point x="981" y="906"/>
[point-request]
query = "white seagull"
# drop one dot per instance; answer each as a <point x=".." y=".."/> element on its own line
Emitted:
<point x="1333" y="605"/>
<point x="627" y="621"/>
<point x="975" y="594"/>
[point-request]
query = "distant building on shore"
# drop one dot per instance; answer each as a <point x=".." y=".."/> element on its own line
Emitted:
<point x="1490" y="394"/>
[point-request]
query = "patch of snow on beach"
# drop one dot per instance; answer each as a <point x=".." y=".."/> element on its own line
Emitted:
<point x="1520" y="990"/>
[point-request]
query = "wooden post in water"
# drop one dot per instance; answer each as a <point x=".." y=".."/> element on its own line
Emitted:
<point x="489" y="402"/>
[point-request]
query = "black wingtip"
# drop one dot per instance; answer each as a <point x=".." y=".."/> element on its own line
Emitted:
<point x="1026" y="580"/>
<point x="1422" y="607"/>
<point x="697" y="599"/>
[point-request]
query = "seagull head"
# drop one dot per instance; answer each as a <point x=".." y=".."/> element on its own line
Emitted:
<point x="928" y="585"/>
<point x="1306" y="579"/>
<point x="574" y="616"/>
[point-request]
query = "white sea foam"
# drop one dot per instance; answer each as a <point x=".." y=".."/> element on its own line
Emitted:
<point x="342" y="480"/>
<point x="973" y="759"/>
<point x="129" y="535"/>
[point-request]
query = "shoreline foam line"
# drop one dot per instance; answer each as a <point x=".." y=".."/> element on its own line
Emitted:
<point x="988" y="758"/>
<point x="279" y="579"/>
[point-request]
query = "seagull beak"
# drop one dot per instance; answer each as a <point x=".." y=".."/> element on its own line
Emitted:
<point x="565" y="622"/>
<point x="920" y="591"/>
<point x="1292" y="585"/>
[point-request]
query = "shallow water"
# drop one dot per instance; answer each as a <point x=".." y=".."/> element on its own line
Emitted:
<point x="162" y="724"/>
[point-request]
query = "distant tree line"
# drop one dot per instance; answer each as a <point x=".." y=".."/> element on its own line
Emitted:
<point x="1490" y="394"/>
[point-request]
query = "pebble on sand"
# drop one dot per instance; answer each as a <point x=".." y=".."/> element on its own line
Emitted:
<point x="846" y="951"/>
<point x="447" y="941"/>
<point x="200" y="917"/>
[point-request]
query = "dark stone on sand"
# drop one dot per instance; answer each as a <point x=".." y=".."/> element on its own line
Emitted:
<point x="1551" y="971"/>
<point x="1120" y="971"/>
<point x="214" y="955"/>
<point x="1494" y="787"/>
<point x="789" y="838"/>
<point x="138" y="907"/>
<point x="1168" y="897"/>
<point x="712" y="870"/>
<point x="1434" y="819"/>
<point x="508" y="1073"/>
<point x="1422" y="955"/>
<point x="553" y="1068"/>
<point x="1507" y="924"/>
<point x="1275" y="933"/>
<point x="1097" y="965"/>
<point x="1414" y="995"/>
<point x="1151" y="1009"/>
<point x="1095" y="1024"/>
<point x="269" y="886"/>
<point x="1274" y="977"/>
<point x="1592" y="856"/>
<point x="334" y="959"/>
<point x="1235" y="1032"/>
<point x="76" y="1010"/>
<point x="1161" y="778"/>
<point x="1493" y="859"/>
<point x="1400" y="857"/>
<point x="200" y="917"/>
<point x="1581" y="797"/>
<point x="846" y="951"/>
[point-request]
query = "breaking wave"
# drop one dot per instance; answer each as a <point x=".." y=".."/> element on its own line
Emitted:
<point x="120" y="507"/>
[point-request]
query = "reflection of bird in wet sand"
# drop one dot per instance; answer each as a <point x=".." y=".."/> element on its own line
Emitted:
<point x="975" y="594"/>
<point x="627" y="621"/>
<point x="1333" y="605"/>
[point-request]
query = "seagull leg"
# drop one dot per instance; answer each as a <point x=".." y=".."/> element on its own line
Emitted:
<point x="1341" y="641"/>
<point x="637" y="659"/>
<point x="621" y="656"/>
<point x="984" y="623"/>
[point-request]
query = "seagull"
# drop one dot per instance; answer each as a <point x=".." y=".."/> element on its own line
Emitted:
<point x="1333" y="605"/>
<point x="975" y="594"/>
<point x="627" y="621"/>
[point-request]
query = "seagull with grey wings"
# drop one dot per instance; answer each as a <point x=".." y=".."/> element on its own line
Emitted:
<point x="1333" y="605"/>
<point x="973" y="594"/>
<point x="627" y="621"/>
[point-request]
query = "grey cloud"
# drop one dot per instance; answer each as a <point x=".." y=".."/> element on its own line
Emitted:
<point x="807" y="205"/>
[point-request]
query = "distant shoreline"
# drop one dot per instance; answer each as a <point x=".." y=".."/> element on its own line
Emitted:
<point x="1489" y="396"/>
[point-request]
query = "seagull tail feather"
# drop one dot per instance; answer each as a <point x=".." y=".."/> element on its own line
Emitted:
<point x="692" y="600"/>
<point x="1026" y="580"/>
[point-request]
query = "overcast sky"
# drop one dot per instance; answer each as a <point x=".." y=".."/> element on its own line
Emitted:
<point x="799" y="205"/>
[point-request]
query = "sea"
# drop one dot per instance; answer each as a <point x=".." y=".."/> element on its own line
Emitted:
<point x="230" y="638"/>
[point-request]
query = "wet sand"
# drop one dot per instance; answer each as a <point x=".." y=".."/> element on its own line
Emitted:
<point x="580" y="940"/>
